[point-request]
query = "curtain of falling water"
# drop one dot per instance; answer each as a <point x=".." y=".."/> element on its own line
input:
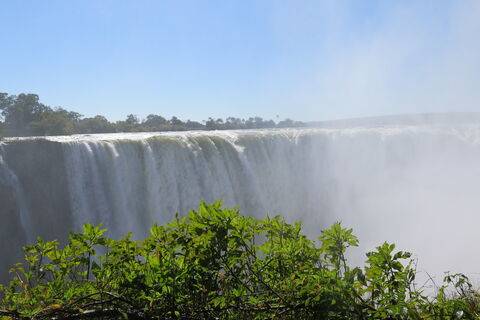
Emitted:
<point x="417" y="186"/>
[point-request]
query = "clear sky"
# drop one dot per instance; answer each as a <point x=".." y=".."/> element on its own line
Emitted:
<point x="307" y="60"/>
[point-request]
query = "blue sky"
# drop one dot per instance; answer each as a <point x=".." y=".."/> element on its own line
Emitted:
<point x="306" y="60"/>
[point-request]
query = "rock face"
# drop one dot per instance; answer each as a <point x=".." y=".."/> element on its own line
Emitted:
<point x="413" y="185"/>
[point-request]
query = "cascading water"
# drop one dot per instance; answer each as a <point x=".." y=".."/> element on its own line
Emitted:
<point x="9" y="182"/>
<point x="417" y="186"/>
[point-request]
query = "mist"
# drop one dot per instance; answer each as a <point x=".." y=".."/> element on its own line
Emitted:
<point x="415" y="186"/>
<point x="382" y="58"/>
<point x="402" y="57"/>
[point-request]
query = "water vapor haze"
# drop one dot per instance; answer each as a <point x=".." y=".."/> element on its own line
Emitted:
<point x="378" y="58"/>
<point x="416" y="187"/>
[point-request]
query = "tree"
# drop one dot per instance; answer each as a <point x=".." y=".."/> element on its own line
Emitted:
<point x="154" y="122"/>
<point x="131" y="124"/>
<point x="211" y="124"/>
<point x="176" y="123"/>
<point x="55" y="123"/>
<point x="5" y="102"/>
<point x="194" y="125"/>
<point x="286" y="123"/>
<point x="19" y="111"/>
<point x="97" y="124"/>
<point x="255" y="123"/>
<point x="132" y="120"/>
<point x="235" y="123"/>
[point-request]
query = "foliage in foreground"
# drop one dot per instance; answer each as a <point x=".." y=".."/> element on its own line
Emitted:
<point x="217" y="264"/>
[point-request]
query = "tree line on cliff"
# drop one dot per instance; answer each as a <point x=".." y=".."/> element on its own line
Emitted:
<point x="25" y="115"/>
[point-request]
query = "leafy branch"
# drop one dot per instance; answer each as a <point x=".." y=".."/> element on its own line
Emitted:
<point x="216" y="263"/>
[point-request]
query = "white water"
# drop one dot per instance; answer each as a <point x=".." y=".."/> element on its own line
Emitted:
<point x="416" y="186"/>
<point x="8" y="179"/>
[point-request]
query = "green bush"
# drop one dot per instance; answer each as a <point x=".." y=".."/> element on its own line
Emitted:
<point x="217" y="264"/>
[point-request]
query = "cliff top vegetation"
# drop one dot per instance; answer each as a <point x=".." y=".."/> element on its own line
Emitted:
<point x="25" y="115"/>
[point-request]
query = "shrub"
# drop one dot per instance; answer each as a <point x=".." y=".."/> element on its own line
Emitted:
<point x="217" y="264"/>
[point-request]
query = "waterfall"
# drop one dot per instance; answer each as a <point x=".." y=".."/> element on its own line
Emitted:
<point x="8" y="180"/>
<point x="417" y="186"/>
